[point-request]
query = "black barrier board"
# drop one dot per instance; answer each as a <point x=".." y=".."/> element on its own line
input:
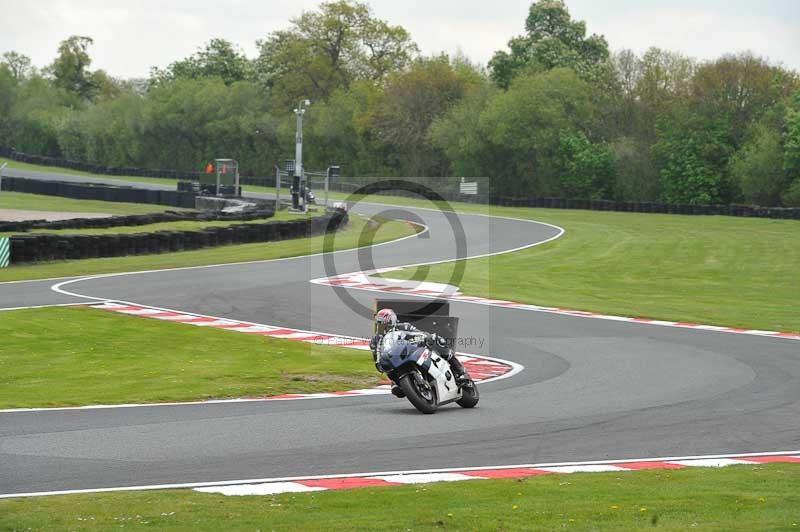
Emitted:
<point x="411" y="307"/>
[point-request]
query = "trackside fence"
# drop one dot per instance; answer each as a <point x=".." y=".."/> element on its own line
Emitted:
<point x="447" y="188"/>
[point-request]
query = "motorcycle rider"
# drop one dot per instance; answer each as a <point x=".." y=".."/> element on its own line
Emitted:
<point x="386" y="321"/>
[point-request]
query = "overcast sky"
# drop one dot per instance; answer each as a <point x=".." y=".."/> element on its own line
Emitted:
<point x="133" y="35"/>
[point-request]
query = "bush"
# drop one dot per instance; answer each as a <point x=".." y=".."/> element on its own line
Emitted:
<point x="791" y="198"/>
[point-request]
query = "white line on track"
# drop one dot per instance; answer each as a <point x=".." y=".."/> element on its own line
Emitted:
<point x="44" y="306"/>
<point x="425" y="229"/>
<point x="392" y="473"/>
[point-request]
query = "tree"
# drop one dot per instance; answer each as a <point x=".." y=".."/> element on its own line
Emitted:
<point x="791" y="156"/>
<point x="37" y="110"/>
<point x="525" y="126"/>
<point x="330" y="48"/>
<point x="758" y="167"/>
<point x="791" y="151"/>
<point x="662" y="80"/>
<point x="70" y="69"/>
<point x="663" y="77"/>
<point x="217" y="59"/>
<point x="18" y="64"/>
<point x="697" y="135"/>
<point x="411" y="101"/>
<point x="636" y="177"/>
<point x="692" y="153"/>
<point x="458" y="135"/>
<point x="8" y="92"/>
<point x="586" y="170"/>
<point x="340" y="131"/>
<point x="552" y="40"/>
<point x="740" y="88"/>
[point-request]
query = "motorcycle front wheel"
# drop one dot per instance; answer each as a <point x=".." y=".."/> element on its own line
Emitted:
<point x="469" y="396"/>
<point x="419" y="392"/>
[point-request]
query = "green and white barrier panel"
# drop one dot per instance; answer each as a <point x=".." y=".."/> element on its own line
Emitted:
<point x="5" y="252"/>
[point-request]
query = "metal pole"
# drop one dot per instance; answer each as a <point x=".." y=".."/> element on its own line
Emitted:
<point x="298" y="155"/>
<point x="277" y="188"/>
<point x="327" y="179"/>
<point x="238" y="190"/>
<point x="298" y="149"/>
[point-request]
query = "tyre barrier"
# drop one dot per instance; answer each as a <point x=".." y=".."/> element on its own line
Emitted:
<point x="749" y="211"/>
<point x="49" y="247"/>
<point x="262" y="212"/>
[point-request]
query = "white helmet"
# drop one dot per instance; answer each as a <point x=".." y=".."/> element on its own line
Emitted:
<point x="385" y="320"/>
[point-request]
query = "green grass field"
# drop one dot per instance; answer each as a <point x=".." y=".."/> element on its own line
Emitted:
<point x="742" y="498"/>
<point x="35" y="202"/>
<point x="359" y="232"/>
<point x="739" y="272"/>
<point x="65" y="171"/>
<point x="64" y="356"/>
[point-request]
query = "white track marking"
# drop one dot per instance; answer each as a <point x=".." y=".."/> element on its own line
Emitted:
<point x="588" y="468"/>
<point x="425" y="478"/>
<point x="739" y="456"/>
<point x="424" y="230"/>
<point x="46" y="306"/>
<point x="362" y="281"/>
<point x="57" y="287"/>
<point x="269" y="488"/>
<point x="709" y="462"/>
<point x="561" y="231"/>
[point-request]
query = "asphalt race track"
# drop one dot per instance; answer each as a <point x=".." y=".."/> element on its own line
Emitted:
<point x="591" y="389"/>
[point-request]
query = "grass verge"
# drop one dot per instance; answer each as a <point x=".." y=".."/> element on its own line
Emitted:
<point x="734" y="498"/>
<point x="35" y="202"/>
<point x="359" y="232"/>
<point x="739" y="272"/>
<point x="80" y="356"/>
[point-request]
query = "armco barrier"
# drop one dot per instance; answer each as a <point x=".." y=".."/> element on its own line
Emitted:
<point x="48" y="247"/>
<point x="93" y="191"/>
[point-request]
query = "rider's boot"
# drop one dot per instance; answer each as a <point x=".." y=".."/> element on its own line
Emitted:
<point x="459" y="372"/>
<point x="398" y="391"/>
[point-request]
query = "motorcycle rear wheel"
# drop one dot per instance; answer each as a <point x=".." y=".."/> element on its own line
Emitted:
<point x="417" y="397"/>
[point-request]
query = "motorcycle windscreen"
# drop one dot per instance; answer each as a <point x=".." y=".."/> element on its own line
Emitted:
<point x="396" y="353"/>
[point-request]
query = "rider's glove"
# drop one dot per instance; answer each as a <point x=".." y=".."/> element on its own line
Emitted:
<point x="434" y="340"/>
<point x="430" y="341"/>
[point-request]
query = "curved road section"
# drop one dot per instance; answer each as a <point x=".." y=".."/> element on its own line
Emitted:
<point x="591" y="389"/>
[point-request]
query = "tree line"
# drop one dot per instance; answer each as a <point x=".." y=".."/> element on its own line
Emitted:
<point x="555" y="114"/>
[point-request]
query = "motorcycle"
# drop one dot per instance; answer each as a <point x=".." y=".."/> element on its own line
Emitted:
<point x="311" y="199"/>
<point x="426" y="378"/>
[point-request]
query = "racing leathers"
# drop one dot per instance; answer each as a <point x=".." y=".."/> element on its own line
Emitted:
<point x="432" y="341"/>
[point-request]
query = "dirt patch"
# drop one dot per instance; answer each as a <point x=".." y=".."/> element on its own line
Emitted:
<point x="15" y="215"/>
